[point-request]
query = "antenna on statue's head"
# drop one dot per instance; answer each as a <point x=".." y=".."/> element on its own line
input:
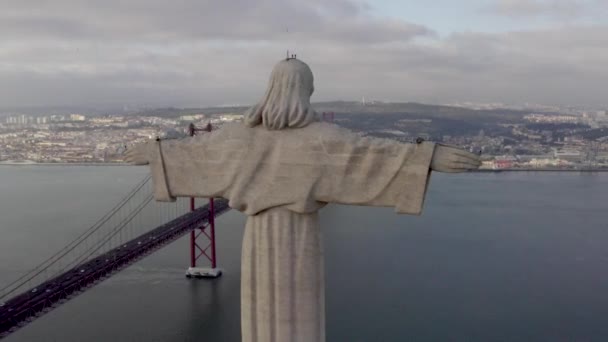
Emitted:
<point x="293" y="55"/>
<point x="287" y="31"/>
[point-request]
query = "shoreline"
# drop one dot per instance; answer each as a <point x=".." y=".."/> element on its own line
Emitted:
<point x="60" y="164"/>
<point x="472" y="171"/>
<point x="538" y="170"/>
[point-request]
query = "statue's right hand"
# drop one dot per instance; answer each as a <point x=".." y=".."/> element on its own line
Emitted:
<point x="452" y="159"/>
<point x="136" y="154"/>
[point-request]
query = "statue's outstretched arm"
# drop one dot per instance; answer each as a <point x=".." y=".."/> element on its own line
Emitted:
<point x="199" y="166"/>
<point x="171" y="164"/>
<point x="379" y="172"/>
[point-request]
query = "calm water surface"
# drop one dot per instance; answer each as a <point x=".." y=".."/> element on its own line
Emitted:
<point x="495" y="257"/>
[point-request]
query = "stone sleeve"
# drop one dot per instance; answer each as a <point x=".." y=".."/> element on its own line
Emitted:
<point x="202" y="166"/>
<point x="413" y="180"/>
<point x="158" y="170"/>
<point x="376" y="172"/>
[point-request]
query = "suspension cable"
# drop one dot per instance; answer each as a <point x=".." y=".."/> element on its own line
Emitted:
<point x="74" y="243"/>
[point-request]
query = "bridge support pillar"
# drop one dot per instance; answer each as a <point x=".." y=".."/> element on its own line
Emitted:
<point x="203" y="272"/>
<point x="206" y="233"/>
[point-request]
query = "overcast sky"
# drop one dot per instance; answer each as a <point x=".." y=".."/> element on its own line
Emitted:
<point x="199" y="53"/>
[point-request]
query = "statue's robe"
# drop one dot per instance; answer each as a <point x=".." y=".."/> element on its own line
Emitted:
<point x="280" y="179"/>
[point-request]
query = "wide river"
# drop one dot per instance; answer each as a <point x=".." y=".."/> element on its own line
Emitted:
<point x="495" y="257"/>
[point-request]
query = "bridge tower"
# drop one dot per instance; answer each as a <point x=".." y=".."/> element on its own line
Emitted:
<point x="202" y="239"/>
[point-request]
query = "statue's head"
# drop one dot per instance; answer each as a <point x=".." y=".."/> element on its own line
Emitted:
<point x="286" y="103"/>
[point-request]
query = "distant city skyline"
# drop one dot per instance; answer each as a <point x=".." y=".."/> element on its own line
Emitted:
<point x="190" y="53"/>
<point x="119" y="109"/>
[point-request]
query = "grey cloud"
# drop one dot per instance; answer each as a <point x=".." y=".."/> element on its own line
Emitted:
<point x="42" y="27"/>
<point x="156" y="20"/>
<point x="187" y="53"/>
<point x="560" y="9"/>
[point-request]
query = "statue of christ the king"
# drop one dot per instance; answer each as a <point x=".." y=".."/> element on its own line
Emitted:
<point x="279" y="167"/>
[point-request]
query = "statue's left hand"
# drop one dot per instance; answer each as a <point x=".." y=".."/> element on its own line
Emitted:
<point x="452" y="159"/>
<point x="136" y="155"/>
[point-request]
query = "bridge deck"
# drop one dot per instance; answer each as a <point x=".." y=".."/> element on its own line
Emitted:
<point x="25" y="307"/>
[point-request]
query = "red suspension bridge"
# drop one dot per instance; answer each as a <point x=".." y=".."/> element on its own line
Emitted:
<point x="102" y="250"/>
<point x="115" y="241"/>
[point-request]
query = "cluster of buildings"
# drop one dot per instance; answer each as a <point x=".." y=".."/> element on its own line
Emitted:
<point x="24" y="120"/>
<point x="558" y="158"/>
<point x="594" y="119"/>
<point x="544" y="118"/>
<point x="76" y="138"/>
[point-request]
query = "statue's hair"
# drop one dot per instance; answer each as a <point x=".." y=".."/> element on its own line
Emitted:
<point x="286" y="103"/>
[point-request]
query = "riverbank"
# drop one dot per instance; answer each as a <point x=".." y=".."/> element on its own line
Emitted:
<point x="538" y="170"/>
<point x="30" y="163"/>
